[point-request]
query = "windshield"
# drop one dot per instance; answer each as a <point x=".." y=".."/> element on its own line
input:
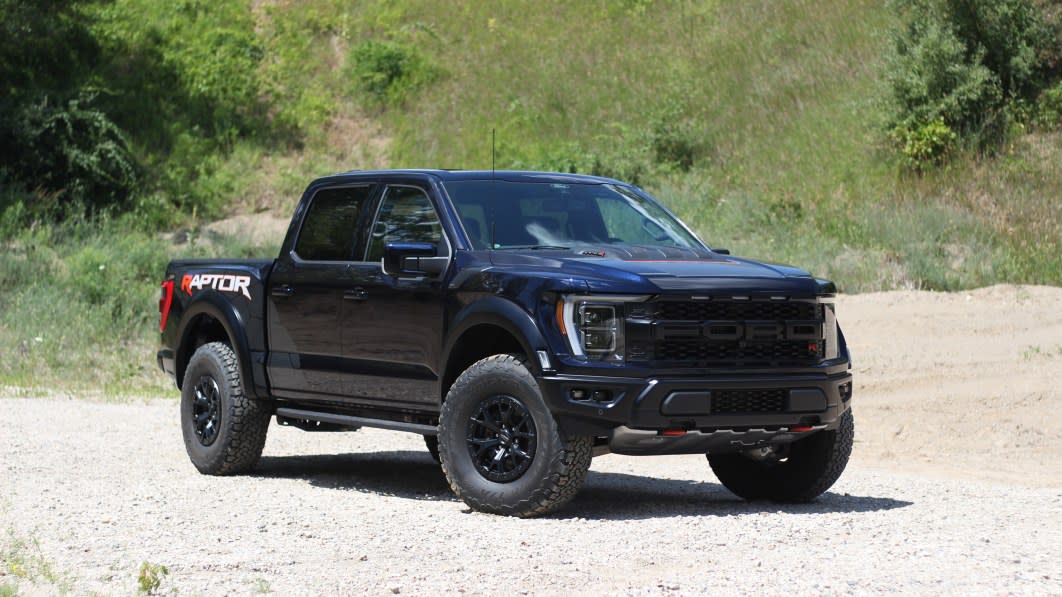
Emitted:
<point x="514" y="215"/>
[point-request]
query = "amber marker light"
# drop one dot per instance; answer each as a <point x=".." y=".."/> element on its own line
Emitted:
<point x="560" y="317"/>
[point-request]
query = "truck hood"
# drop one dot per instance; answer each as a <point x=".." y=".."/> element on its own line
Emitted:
<point x="650" y="269"/>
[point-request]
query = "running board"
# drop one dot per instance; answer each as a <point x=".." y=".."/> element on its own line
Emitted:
<point x="352" y="421"/>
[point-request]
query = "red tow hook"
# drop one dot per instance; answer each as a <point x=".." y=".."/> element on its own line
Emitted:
<point x="673" y="432"/>
<point x="800" y="429"/>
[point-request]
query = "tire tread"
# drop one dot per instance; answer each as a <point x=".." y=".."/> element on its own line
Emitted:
<point x="245" y="421"/>
<point x="560" y="480"/>
<point x="812" y="468"/>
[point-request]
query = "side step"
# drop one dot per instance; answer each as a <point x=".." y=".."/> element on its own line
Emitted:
<point x="352" y="421"/>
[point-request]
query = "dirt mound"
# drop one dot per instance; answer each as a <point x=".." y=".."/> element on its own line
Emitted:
<point x="960" y="384"/>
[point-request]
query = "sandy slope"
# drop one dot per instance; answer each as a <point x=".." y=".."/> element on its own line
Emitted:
<point x="959" y="383"/>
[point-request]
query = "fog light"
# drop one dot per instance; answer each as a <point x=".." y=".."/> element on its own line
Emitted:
<point x="845" y="390"/>
<point x="602" y="396"/>
<point x="578" y="394"/>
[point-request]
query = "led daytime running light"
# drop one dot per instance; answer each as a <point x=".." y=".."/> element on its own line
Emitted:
<point x="574" y="328"/>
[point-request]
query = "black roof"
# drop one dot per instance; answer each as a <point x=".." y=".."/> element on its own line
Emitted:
<point x="506" y="175"/>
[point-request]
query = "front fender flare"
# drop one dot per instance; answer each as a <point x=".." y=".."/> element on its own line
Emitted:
<point x="501" y="312"/>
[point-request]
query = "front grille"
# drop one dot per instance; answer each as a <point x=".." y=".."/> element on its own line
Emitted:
<point x="697" y="352"/>
<point x="737" y="310"/>
<point x="739" y="402"/>
<point x="723" y="332"/>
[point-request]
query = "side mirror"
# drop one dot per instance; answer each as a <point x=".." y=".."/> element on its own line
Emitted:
<point x="413" y="259"/>
<point x="721" y="251"/>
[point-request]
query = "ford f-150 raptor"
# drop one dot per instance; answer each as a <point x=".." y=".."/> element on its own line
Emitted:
<point x="522" y="323"/>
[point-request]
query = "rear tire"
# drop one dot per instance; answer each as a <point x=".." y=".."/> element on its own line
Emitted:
<point x="224" y="430"/>
<point x="813" y="465"/>
<point x="501" y="449"/>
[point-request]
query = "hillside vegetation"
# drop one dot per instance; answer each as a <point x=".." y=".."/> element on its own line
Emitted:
<point x="881" y="145"/>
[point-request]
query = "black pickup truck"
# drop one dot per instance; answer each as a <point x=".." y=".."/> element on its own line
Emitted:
<point x="522" y="323"/>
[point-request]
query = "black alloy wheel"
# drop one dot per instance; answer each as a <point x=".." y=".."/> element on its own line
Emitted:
<point x="501" y="439"/>
<point x="224" y="430"/>
<point x="206" y="410"/>
<point x="500" y="447"/>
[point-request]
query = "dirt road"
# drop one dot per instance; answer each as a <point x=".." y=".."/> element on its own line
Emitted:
<point x="955" y="487"/>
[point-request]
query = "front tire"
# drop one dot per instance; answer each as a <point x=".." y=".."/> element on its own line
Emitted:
<point x="813" y="465"/>
<point x="500" y="447"/>
<point x="224" y="430"/>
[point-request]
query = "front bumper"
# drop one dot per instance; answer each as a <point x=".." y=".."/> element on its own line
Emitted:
<point x="633" y="413"/>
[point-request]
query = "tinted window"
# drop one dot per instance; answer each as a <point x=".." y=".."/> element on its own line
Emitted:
<point x="329" y="228"/>
<point x="406" y="216"/>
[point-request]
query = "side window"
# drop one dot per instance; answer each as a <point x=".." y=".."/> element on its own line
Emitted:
<point x="406" y="216"/>
<point x="329" y="227"/>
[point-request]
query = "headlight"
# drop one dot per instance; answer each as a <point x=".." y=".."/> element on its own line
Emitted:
<point x="594" y="325"/>
<point x="830" y="328"/>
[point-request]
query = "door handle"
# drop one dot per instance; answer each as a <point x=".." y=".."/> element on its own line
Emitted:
<point x="282" y="290"/>
<point x="358" y="294"/>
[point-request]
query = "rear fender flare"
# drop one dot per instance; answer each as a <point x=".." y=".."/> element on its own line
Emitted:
<point x="219" y="308"/>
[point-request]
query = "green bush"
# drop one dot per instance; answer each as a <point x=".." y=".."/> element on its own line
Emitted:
<point x="194" y="63"/>
<point x="674" y="141"/>
<point x="150" y="577"/>
<point x="60" y="150"/>
<point x="119" y="272"/>
<point x="1048" y="112"/>
<point x="965" y="63"/>
<point x="70" y="153"/>
<point x="389" y="72"/>
<point x="928" y="144"/>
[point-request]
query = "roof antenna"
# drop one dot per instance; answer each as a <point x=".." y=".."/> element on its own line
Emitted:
<point x="493" y="219"/>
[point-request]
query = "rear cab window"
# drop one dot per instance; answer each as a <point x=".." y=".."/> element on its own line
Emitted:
<point x="330" y="229"/>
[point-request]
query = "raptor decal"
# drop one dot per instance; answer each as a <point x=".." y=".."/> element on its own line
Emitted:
<point x="220" y="282"/>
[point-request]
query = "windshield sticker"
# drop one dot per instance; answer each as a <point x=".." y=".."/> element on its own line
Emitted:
<point x="221" y="282"/>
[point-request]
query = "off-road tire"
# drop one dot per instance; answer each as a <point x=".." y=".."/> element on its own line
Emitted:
<point x="557" y="467"/>
<point x="432" y="443"/>
<point x="813" y="465"/>
<point x="241" y="423"/>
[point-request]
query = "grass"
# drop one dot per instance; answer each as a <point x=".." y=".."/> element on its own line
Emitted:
<point x="150" y="577"/>
<point x="22" y="561"/>
<point x="23" y="565"/>
<point x="761" y="123"/>
<point x="79" y="311"/>
<point x="777" y="106"/>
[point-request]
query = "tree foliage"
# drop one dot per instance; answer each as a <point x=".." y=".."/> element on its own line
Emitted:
<point x="968" y="65"/>
<point x="105" y="101"/>
<point x="389" y="71"/>
<point x="58" y="149"/>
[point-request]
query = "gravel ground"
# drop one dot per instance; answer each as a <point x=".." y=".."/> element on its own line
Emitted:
<point x="102" y="488"/>
<point x="955" y="487"/>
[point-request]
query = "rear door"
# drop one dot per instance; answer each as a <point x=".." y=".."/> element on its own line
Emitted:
<point x="306" y="295"/>
<point x="393" y="332"/>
